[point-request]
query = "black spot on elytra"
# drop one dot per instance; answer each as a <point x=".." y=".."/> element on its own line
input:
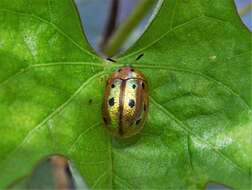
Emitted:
<point x="131" y="103"/>
<point x="111" y="101"/>
<point x="133" y="86"/>
<point x="112" y="86"/>
<point x="138" y="121"/>
<point x="143" y="85"/>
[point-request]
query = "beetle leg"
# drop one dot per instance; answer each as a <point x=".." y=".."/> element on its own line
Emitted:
<point x="110" y="59"/>
<point x="138" y="57"/>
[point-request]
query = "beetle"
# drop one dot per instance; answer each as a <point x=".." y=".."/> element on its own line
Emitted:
<point x="126" y="101"/>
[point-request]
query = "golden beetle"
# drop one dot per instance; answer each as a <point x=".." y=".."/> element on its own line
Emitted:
<point x="126" y="101"/>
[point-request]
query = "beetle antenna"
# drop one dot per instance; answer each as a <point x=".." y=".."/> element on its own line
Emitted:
<point x="112" y="60"/>
<point x="141" y="55"/>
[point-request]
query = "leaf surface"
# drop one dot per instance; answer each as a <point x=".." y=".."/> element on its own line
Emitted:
<point x="198" y="63"/>
<point x="200" y="67"/>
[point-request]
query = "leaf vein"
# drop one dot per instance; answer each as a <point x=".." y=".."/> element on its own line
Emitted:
<point x="123" y="181"/>
<point x="170" y="31"/>
<point x="98" y="180"/>
<point x="57" y="111"/>
<point x="226" y="87"/>
<point x="83" y="133"/>
<point x="60" y="31"/>
<point x="161" y="37"/>
<point x="185" y="127"/>
<point x="77" y="63"/>
<point x="24" y="69"/>
<point x="19" y="72"/>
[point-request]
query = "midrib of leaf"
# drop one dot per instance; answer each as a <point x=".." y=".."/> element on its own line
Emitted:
<point x="48" y="64"/>
<point x="226" y="87"/>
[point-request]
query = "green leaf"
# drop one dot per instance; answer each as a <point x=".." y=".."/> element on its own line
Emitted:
<point x="197" y="60"/>
<point x="46" y="75"/>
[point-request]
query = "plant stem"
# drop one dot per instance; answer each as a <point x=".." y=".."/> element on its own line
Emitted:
<point x="122" y="33"/>
<point x="111" y="23"/>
